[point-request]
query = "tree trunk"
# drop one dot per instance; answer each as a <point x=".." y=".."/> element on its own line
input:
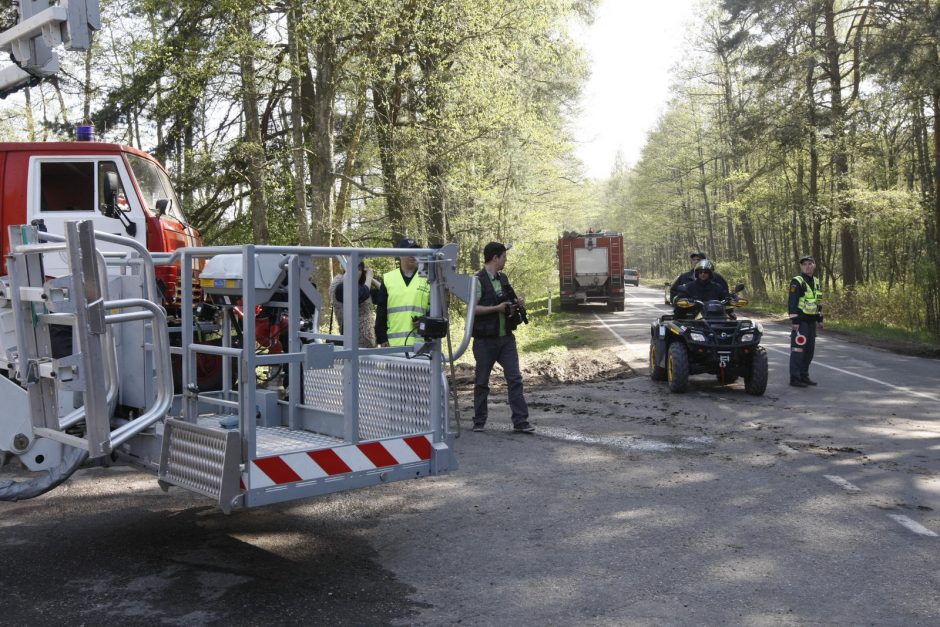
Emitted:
<point x="253" y="146"/>
<point x="349" y="165"/>
<point x="386" y="100"/>
<point x="299" y="157"/>
<point x="840" y="157"/>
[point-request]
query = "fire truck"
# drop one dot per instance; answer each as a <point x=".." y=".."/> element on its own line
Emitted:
<point x="590" y="269"/>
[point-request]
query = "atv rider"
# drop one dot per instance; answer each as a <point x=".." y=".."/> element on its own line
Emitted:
<point x="688" y="277"/>
<point x="704" y="288"/>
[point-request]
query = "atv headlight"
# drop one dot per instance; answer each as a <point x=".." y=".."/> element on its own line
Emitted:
<point x="747" y="337"/>
<point x="697" y="337"/>
<point x="759" y="327"/>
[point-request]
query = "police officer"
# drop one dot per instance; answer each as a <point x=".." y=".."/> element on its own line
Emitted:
<point x="688" y="277"/>
<point x="404" y="296"/>
<point x="805" y="312"/>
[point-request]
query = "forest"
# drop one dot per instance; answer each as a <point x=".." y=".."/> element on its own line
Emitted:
<point x="807" y="126"/>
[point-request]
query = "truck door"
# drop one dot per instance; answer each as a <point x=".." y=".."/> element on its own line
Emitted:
<point x="65" y="188"/>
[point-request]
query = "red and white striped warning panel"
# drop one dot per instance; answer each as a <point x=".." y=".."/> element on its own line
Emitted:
<point x="306" y="465"/>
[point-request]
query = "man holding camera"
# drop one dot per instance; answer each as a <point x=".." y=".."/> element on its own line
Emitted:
<point x="498" y="312"/>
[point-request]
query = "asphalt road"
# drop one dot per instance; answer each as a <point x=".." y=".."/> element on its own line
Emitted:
<point x="630" y="505"/>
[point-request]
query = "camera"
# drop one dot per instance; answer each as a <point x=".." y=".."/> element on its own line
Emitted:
<point x="517" y="313"/>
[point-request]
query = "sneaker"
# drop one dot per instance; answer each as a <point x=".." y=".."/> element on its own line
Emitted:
<point x="525" y="427"/>
<point x="478" y="428"/>
<point x="808" y="381"/>
<point x="798" y="383"/>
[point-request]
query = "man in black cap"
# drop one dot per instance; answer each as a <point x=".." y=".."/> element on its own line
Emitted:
<point x="404" y="296"/>
<point x="493" y="341"/>
<point x="805" y="312"/>
<point x="688" y="277"/>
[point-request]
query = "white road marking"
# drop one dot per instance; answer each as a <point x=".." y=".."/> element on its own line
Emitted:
<point x="916" y="527"/>
<point x="789" y="450"/>
<point x="900" y="388"/>
<point x="842" y="483"/>
<point x="607" y="326"/>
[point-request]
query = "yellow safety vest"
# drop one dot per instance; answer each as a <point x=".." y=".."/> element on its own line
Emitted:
<point x="405" y="303"/>
<point x="809" y="301"/>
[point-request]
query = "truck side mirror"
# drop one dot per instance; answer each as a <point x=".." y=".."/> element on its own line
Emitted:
<point x="109" y="207"/>
<point x="163" y="206"/>
<point x="110" y="185"/>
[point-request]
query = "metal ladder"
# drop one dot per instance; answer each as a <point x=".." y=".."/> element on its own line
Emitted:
<point x="38" y="304"/>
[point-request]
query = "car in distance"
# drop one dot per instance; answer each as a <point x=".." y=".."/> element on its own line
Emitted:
<point x="632" y="276"/>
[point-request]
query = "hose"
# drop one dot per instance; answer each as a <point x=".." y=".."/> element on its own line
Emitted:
<point x="31" y="488"/>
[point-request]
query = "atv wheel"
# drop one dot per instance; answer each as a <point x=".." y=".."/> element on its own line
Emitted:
<point x="756" y="381"/>
<point x="677" y="367"/>
<point x="657" y="373"/>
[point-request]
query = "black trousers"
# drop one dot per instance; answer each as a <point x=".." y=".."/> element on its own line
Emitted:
<point x="498" y="350"/>
<point x="801" y="356"/>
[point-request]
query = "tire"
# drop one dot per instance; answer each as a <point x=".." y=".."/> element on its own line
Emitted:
<point x="657" y="373"/>
<point x="677" y="368"/>
<point x="755" y="383"/>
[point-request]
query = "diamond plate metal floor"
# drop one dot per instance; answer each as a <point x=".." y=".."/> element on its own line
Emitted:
<point x="280" y="440"/>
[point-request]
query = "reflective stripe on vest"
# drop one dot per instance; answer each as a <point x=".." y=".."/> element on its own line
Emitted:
<point x="405" y="302"/>
<point x="809" y="301"/>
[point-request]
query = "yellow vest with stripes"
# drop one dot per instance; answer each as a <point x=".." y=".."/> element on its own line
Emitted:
<point x="405" y="303"/>
<point x="812" y="294"/>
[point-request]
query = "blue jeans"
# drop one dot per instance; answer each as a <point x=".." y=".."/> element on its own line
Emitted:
<point x="498" y="350"/>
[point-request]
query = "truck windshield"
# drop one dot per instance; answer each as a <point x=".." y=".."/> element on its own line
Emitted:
<point x="154" y="186"/>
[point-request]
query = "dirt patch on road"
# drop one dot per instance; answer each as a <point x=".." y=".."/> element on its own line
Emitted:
<point x="558" y="368"/>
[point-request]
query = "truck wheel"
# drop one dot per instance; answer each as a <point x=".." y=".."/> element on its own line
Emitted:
<point x="677" y="367"/>
<point x="657" y="373"/>
<point x="755" y="382"/>
<point x="619" y="306"/>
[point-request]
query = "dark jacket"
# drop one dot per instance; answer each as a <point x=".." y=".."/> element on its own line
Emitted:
<point x="487" y="325"/>
<point x="704" y="290"/>
<point x="688" y="277"/>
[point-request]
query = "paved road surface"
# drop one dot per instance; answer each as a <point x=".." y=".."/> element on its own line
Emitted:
<point x="629" y="506"/>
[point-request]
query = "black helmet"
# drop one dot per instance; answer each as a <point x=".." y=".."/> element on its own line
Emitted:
<point x="704" y="266"/>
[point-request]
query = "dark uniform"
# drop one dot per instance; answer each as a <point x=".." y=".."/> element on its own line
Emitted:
<point x="805" y="312"/>
<point x="688" y="277"/>
<point x="705" y="290"/>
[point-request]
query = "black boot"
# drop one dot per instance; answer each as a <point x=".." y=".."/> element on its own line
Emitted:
<point x="797" y="383"/>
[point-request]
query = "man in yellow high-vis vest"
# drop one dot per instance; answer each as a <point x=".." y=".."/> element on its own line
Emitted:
<point x="805" y="311"/>
<point x="404" y="296"/>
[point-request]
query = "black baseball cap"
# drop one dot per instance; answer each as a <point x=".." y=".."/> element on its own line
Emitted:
<point x="493" y="249"/>
<point x="407" y="242"/>
<point x="698" y="254"/>
<point x="807" y="258"/>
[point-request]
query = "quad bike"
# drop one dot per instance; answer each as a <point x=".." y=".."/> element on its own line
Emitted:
<point x="710" y="340"/>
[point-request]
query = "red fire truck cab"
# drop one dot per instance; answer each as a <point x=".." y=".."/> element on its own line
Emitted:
<point x="123" y="190"/>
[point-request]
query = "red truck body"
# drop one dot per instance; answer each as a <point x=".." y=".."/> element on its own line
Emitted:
<point x="63" y="181"/>
<point x="590" y="269"/>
